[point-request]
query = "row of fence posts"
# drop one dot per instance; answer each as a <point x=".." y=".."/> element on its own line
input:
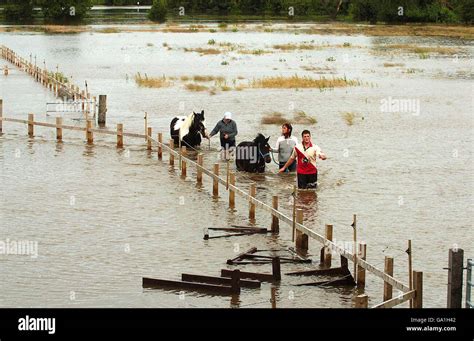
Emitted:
<point x="301" y="241"/>
<point x="52" y="81"/>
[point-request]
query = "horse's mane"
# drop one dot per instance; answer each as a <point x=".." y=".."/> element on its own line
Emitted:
<point x="260" y="138"/>
<point x="184" y="129"/>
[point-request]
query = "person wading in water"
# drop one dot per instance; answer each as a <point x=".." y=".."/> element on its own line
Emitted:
<point x="284" y="147"/>
<point x="306" y="154"/>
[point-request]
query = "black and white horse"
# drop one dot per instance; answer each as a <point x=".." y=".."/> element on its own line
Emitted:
<point x="252" y="156"/>
<point x="188" y="129"/>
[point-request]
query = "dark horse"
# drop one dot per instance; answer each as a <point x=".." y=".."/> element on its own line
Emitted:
<point x="189" y="129"/>
<point x="252" y="156"/>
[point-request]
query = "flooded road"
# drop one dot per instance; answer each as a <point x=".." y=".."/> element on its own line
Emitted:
<point x="103" y="218"/>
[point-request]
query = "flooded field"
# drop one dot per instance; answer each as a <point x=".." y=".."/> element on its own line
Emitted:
<point x="103" y="218"/>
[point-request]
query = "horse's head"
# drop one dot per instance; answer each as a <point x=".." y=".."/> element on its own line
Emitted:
<point x="263" y="147"/>
<point x="199" y="123"/>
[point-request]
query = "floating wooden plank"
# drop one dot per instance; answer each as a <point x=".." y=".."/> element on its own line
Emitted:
<point x="219" y="280"/>
<point x="206" y="237"/>
<point x="345" y="281"/>
<point x="294" y="260"/>
<point x="249" y="275"/>
<point x="246" y="230"/>
<point x="169" y="284"/>
<point x="239" y="256"/>
<point x="321" y="272"/>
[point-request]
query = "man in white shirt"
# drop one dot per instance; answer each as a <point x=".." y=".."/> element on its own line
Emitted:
<point x="306" y="153"/>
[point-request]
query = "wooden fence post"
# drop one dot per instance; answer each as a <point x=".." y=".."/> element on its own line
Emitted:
<point x="31" y="129"/>
<point x="327" y="251"/>
<point x="231" y="191"/>
<point x="253" y="190"/>
<point x="215" y="183"/>
<point x="273" y="299"/>
<point x="59" y="129"/>
<point x="1" y="115"/>
<point x="362" y="301"/>
<point x="418" y="286"/>
<point x="275" y="220"/>
<point x="89" y="134"/>
<point x="171" y="152"/>
<point x="301" y="238"/>
<point x="160" y="148"/>
<point x="102" y="109"/>
<point x="119" y="135"/>
<point x="276" y="270"/>
<point x="148" y="138"/>
<point x="183" y="161"/>
<point x="387" y="288"/>
<point x="410" y="270"/>
<point x="199" y="169"/>
<point x="455" y="272"/>
<point x="361" y="270"/>
<point x="354" y="226"/>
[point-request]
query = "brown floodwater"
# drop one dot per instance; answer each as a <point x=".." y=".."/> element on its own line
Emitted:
<point x="104" y="218"/>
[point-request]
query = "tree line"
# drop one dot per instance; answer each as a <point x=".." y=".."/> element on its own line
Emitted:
<point x="373" y="11"/>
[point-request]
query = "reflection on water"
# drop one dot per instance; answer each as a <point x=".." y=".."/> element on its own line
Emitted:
<point x="105" y="217"/>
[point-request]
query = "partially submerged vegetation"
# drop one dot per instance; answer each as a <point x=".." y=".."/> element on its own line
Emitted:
<point x="422" y="49"/>
<point x="277" y="118"/>
<point x="203" y="51"/>
<point x="349" y="118"/>
<point x="59" y="76"/>
<point x="295" y="82"/>
<point x="274" y="117"/>
<point x="152" y="82"/>
<point x="393" y="64"/>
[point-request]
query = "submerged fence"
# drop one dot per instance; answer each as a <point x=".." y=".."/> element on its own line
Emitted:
<point x="412" y="293"/>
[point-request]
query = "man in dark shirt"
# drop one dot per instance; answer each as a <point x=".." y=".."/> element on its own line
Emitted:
<point x="227" y="129"/>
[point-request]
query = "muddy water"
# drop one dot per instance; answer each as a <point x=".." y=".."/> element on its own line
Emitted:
<point x="103" y="218"/>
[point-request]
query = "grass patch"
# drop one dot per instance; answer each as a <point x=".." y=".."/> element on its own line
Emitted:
<point x="257" y="52"/>
<point x="57" y="29"/>
<point x="152" y="82"/>
<point x="277" y="118"/>
<point x="290" y="47"/>
<point x="349" y="118"/>
<point x="274" y="118"/>
<point x="108" y="30"/>
<point x="203" y="51"/>
<point x="423" y="50"/>
<point x="195" y="87"/>
<point x="208" y="78"/>
<point x="59" y="76"/>
<point x="294" y="82"/>
<point x="393" y="64"/>
<point x="300" y="117"/>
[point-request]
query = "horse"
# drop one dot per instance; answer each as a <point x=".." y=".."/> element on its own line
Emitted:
<point x="252" y="156"/>
<point x="188" y="129"/>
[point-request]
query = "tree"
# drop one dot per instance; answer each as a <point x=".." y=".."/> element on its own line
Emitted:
<point x="19" y="12"/>
<point x="466" y="11"/>
<point x="158" y="11"/>
<point x="364" y="10"/>
<point x="65" y="10"/>
<point x="276" y="6"/>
